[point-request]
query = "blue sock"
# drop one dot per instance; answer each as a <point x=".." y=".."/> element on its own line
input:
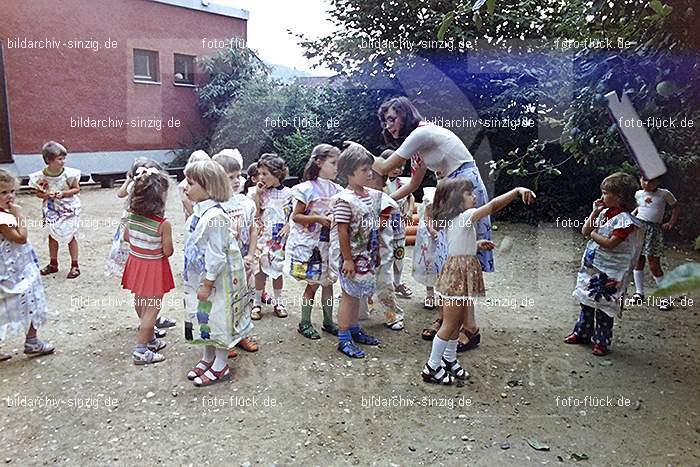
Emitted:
<point x="354" y="328"/>
<point x="344" y="336"/>
<point x="140" y="348"/>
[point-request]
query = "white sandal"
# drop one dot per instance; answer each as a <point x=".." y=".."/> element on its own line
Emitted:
<point x="147" y="357"/>
<point x="40" y="348"/>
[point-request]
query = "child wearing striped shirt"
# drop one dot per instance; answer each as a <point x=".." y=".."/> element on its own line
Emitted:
<point x="147" y="270"/>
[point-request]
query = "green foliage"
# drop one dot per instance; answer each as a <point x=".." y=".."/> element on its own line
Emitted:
<point x="228" y="72"/>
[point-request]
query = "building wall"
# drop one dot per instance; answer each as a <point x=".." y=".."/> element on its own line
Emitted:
<point x="51" y="89"/>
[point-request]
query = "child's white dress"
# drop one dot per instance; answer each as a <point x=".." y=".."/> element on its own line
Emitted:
<point x="605" y="273"/>
<point x="241" y="211"/>
<point x="308" y="246"/>
<point x="276" y="207"/>
<point x="211" y="252"/>
<point x="61" y="216"/>
<point x="119" y="251"/>
<point x="386" y="298"/>
<point x="22" y="299"/>
<point x="364" y="241"/>
<point x="424" y="249"/>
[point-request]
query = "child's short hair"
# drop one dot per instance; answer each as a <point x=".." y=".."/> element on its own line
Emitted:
<point x="275" y="165"/>
<point x="8" y="177"/>
<point x="149" y="192"/>
<point x="212" y="177"/>
<point x="352" y="157"/>
<point x="448" y="201"/>
<point x="235" y="153"/>
<point x="623" y="185"/>
<point x="319" y="154"/>
<point x="197" y="156"/>
<point x="228" y="162"/>
<point x="52" y="150"/>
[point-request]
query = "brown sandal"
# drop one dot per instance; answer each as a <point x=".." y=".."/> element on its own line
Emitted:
<point x="248" y="344"/>
<point x="74" y="272"/>
<point x="473" y="340"/>
<point x="49" y="269"/>
<point x="280" y="311"/>
<point x="428" y="334"/>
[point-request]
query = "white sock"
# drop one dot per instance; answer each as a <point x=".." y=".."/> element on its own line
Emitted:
<point x="258" y="298"/>
<point x="639" y="281"/>
<point x="437" y="352"/>
<point x="221" y="359"/>
<point x="278" y="296"/>
<point x="451" y="351"/>
<point x="658" y="279"/>
<point x="208" y="353"/>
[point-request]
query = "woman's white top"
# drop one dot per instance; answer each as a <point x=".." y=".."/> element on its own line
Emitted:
<point x="436" y="147"/>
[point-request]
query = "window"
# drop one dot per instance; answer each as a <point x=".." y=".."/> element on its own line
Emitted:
<point x="145" y="65"/>
<point x="184" y="69"/>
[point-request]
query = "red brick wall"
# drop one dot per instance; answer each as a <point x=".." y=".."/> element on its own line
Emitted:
<point x="48" y="87"/>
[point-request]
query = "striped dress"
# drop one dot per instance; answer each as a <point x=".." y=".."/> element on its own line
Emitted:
<point x="147" y="271"/>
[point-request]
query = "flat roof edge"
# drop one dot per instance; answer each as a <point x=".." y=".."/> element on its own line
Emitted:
<point x="210" y="7"/>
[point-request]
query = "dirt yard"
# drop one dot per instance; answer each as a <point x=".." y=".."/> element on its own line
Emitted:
<point x="531" y="399"/>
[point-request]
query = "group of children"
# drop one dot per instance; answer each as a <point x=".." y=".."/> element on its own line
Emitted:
<point x="238" y="232"/>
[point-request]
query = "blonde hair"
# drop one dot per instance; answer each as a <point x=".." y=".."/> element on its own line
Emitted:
<point x="197" y="156"/>
<point x="8" y="177"/>
<point x="229" y="163"/>
<point x="212" y="177"/>
<point x="52" y="150"/>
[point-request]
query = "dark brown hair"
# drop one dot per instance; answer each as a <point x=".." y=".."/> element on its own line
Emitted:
<point x="448" y="202"/>
<point x="144" y="162"/>
<point x="149" y="194"/>
<point x="350" y="159"/>
<point x="251" y="172"/>
<point x="275" y="165"/>
<point x="319" y="154"/>
<point x="623" y="185"/>
<point x="408" y="112"/>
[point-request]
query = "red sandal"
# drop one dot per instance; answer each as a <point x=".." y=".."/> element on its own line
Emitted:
<point x="210" y="377"/>
<point x="49" y="269"/>
<point x="197" y="372"/>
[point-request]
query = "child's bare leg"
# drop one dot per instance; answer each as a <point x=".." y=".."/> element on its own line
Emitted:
<point x="260" y="279"/>
<point x="31" y="332"/>
<point x="655" y="268"/>
<point x="73" y="250"/>
<point x="469" y="322"/>
<point x="53" y="249"/>
<point x="277" y="285"/>
<point x="150" y="309"/>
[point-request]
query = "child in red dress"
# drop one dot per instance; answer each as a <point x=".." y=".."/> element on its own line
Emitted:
<point x="147" y="271"/>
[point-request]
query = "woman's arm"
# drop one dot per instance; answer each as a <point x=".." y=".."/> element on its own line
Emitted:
<point x="500" y="202"/>
<point x="412" y="185"/>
